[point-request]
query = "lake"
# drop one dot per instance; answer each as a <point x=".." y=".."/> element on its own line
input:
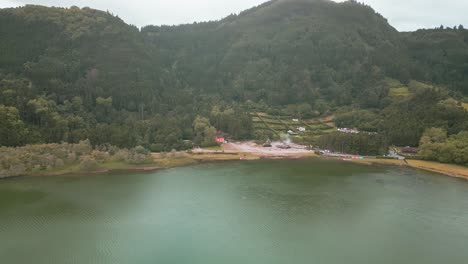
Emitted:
<point x="300" y="211"/>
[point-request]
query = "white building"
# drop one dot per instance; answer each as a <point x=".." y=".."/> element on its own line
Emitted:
<point x="348" y="130"/>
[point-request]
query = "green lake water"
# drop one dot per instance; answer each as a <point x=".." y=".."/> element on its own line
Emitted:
<point x="306" y="211"/>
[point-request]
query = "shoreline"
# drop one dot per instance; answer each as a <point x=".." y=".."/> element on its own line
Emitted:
<point x="244" y="152"/>
<point x="450" y="170"/>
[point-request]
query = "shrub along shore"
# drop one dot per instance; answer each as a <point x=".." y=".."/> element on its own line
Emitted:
<point x="65" y="158"/>
<point x="82" y="158"/>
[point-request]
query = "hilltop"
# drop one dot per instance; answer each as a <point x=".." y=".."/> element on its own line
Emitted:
<point x="78" y="73"/>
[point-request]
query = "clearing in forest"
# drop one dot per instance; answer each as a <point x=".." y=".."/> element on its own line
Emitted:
<point x="300" y="128"/>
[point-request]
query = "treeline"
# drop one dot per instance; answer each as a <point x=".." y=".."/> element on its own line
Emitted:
<point x="356" y="144"/>
<point x="76" y="74"/>
<point x="437" y="146"/>
<point x="41" y="120"/>
<point x="76" y="157"/>
<point x="403" y="120"/>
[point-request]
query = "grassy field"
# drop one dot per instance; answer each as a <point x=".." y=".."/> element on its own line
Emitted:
<point x="419" y="86"/>
<point x="397" y="89"/>
<point x="465" y="105"/>
<point x="400" y="92"/>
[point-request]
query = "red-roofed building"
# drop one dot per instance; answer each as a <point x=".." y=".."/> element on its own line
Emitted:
<point x="220" y="139"/>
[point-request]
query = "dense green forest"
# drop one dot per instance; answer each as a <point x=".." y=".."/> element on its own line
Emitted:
<point x="356" y="144"/>
<point x="68" y="75"/>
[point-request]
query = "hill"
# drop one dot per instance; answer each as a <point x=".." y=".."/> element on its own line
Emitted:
<point x="317" y="49"/>
<point x="72" y="74"/>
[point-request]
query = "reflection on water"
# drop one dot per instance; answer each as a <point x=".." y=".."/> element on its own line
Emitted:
<point x="254" y="212"/>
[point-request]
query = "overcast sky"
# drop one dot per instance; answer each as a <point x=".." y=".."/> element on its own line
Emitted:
<point x="405" y="15"/>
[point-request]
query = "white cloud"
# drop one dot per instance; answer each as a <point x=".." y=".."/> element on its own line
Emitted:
<point x="8" y="3"/>
<point x="406" y="15"/>
<point x="402" y="14"/>
<point x="157" y="12"/>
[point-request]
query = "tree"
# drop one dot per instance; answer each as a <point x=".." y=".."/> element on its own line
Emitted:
<point x="433" y="136"/>
<point x="436" y="146"/>
<point x="12" y="129"/>
<point x="459" y="147"/>
<point x="431" y="143"/>
<point x="358" y="144"/>
<point x="232" y="120"/>
<point x="304" y="110"/>
<point x="74" y="74"/>
<point x="204" y="132"/>
<point x="104" y="109"/>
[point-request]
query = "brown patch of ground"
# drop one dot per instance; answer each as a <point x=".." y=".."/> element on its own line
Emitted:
<point x="251" y="149"/>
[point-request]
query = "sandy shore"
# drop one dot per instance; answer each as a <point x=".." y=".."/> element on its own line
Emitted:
<point x="446" y="169"/>
<point x="250" y="149"/>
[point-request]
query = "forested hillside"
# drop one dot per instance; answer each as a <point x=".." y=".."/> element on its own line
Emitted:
<point x="75" y="74"/>
<point x="281" y="53"/>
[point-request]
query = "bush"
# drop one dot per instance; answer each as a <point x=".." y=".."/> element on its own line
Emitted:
<point x="141" y="150"/>
<point x="137" y="159"/>
<point x="88" y="163"/>
<point x="157" y="147"/>
<point x="33" y="158"/>
<point x="100" y="156"/>
<point x="82" y="148"/>
<point x="121" y="155"/>
<point x="59" y="163"/>
<point x="71" y="157"/>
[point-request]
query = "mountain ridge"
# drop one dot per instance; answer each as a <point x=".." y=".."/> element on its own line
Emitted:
<point x="77" y="73"/>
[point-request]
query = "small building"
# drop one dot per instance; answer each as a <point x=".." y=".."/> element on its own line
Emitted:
<point x="221" y="138"/>
<point x="292" y="133"/>
<point x="301" y="129"/>
<point x="295" y="120"/>
<point x="348" y="130"/>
